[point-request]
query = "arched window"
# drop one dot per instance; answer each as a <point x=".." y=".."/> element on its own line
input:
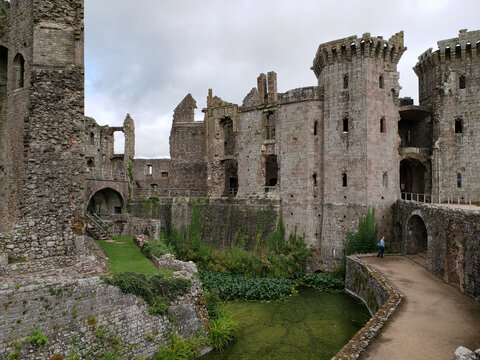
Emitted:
<point x="447" y="53"/>
<point x="315" y="128"/>
<point x="345" y="124"/>
<point x="345" y="81"/>
<point x="459" y="180"/>
<point x="382" y="125"/>
<point x="380" y="82"/>
<point x="149" y="170"/>
<point x="385" y="180"/>
<point x="344" y="179"/>
<point x="19" y="71"/>
<point x="461" y="82"/>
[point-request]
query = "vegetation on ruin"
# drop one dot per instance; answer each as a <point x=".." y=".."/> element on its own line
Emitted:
<point x="156" y="248"/>
<point x="156" y="290"/>
<point x="179" y="349"/>
<point x="38" y="338"/>
<point x="364" y="240"/>
<point x="222" y="329"/>
<point x="124" y="255"/>
<point x="274" y="255"/>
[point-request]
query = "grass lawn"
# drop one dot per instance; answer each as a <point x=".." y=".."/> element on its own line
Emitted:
<point x="124" y="255"/>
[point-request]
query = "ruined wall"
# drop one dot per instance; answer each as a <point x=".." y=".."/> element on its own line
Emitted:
<point x="151" y="177"/>
<point x="452" y="239"/>
<point x="46" y="151"/>
<point x="360" y="84"/>
<point x="78" y="314"/>
<point x="440" y="87"/>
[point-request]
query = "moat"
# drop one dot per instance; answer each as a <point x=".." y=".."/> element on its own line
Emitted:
<point x="312" y="325"/>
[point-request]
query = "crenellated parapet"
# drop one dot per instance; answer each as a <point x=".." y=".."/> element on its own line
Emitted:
<point x="353" y="47"/>
<point x="465" y="46"/>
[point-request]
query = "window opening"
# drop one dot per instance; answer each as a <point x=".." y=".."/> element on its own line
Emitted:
<point x="380" y="82"/>
<point x="461" y="82"/>
<point x="468" y="49"/>
<point x="385" y="180"/>
<point x="459" y="180"/>
<point x="345" y="81"/>
<point x="154" y="187"/>
<point x="314" y="176"/>
<point x="149" y="170"/>
<point x="382" y="125"/>
<point x="447" y="53"/>
<point x="19" y="64"/>
<point x="344" y="179"/>
<point x="92" y="138"/>
<point x="458" y="51"/>
<point x="345" y="124"/>
<point x="271" y="170"/>
<point x="458" y="126"/>
<point x="164" y="175"/>
<point x="315" y="126"/>
<point x="90" y="163"/>
<point x="118" y="209"/>
<point x="270" y="126"/>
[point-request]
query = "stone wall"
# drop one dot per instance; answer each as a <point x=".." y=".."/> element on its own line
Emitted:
<point x="450" y="236"/>
<point x="381" y="298"/>
<point x="76" y="314"/>
<point x="128" y="225"/>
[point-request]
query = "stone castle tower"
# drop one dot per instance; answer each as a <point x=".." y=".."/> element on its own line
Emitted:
<point x="41" y="127"/>
<point x="449" y="87"/>
<point x="359" y="80"/>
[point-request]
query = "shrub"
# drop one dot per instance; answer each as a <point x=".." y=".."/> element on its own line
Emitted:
<point x="156" y="248"/>
<point x="222" y="330"/>
<point x="363" y="241"/>
<point x="38" y="338"/>
<point x="326" y="282"/>
<point x="177" y="349"/>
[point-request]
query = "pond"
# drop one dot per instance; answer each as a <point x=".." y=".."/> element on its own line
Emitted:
<point x="312" y="325"/>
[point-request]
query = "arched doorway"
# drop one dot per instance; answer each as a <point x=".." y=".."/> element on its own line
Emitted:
<point x="413" y="176"/>
<point x="105" y="202"/>
<point x="417" y="236"/>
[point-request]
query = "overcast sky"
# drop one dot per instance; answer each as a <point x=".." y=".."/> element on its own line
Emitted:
<point x="142" y="57"/>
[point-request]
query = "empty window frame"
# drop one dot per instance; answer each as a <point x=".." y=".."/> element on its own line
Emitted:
<point x="19" y="71"/>
<point x="270" y="126"/>
<point x="92" y="138"/>
<point x="315" y="128"/>
<point x="385" y="180"/>
<point x="382" y="124"/>
<point x="154" y="187"/>
<point x="458" y="126"/>
<point x="459" y="180"/>
<point x="344" y="179"/>
<point x="149" y="170"/>
<point x="380" y="82"/>
<point x="164" y="175"/>
<point x="461" y="82"/>
<point x="345" y="124"/>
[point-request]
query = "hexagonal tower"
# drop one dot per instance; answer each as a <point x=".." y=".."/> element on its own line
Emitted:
<point x="359" y="80"/>
<point x="42" y="124"/>
<point x="449" y="84"/>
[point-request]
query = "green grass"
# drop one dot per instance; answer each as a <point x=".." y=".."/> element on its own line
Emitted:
<point x="124" y="255"/>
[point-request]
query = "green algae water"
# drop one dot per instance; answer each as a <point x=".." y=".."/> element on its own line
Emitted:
<point x="312" y="325"/>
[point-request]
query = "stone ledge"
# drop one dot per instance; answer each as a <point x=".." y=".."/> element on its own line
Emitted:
<point x="358" y="344"/>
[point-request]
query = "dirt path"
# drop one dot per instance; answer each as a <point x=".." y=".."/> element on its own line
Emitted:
<point x="433" y="319"/>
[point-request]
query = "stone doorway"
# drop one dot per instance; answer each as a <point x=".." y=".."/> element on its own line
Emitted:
<point x="106" y="202"/>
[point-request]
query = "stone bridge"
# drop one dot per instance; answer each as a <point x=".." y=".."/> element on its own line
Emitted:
<point x="446" y="238"/>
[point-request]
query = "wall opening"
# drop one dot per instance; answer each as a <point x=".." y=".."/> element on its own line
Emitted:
<point x="461" y="82"/>
<point x="231" y="178"/>
<point x="459" y="180"/>
<point x="458" y="126"/>
<point x="90" y="163"/>
<point x="447" y="53"/>
<point x="271" y="170"/>
<point x="314" y="176"/>
<point x="345" y="124"/>
<point x="92" y="138"/>
<point x="315" y="128"/>
<point x="228" y="137"/>
<point x="18" y="71"/>
<point x="468" y="48"/>
<point x="344" y="179"/>
<point x="154" y="188"/>
<point x="458" y="51"/>
<point x="345" y="81"/>
<point x="119" y="142"/>
<point x="417" y="236"/>
<point x="164" y="175"/>
<point x="414" y="177"/>
<point x="105" y="202"/>
<point x="270" y="125"/>
<point x="385" y="180"/>
<point x="382" y="125"/>
<point x="380" y="82"/>
<point x="149" y="170"/>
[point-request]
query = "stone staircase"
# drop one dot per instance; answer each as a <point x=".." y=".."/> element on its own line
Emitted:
<point x="96" y="227"/>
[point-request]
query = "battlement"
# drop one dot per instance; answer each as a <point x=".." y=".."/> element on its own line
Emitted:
<point x="353" y="47"/>
<point x="466" y="45"/>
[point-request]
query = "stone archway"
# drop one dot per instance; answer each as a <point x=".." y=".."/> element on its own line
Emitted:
<point x="106" y="202"/>
<point x="417" y="236"/>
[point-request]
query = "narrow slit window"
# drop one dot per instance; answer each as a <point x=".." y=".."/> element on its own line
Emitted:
<point x="459" y="180"/>
<point x="149" y="170"/>
<point x="314" y="176"/>
<point x="458" y="126"/>
<point x="447" y="53"/>
<point x="345" y="124"/>
<point x="380" y="82"/>
<point x="382" y="125"/>
<point x="345" y="81"/>
<point x="344" y="179"/>
<point x="315" y="128"/>
<point x="385" y="180"/>
<point x="461" y="82"/>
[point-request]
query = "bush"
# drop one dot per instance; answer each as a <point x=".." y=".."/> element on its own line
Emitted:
<point x="38" y="338"/>
<point x="364" y="240"/>
<point x="233" y="287"/>
<point x="222" y="330"/>
<point x="178" y="349"/>
<point x="156" y="290"/>
<point x="325" y="282"/>
<point x="156" y="248"/>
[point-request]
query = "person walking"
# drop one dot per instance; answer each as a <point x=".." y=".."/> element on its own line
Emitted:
<point x="381" y="245"/>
